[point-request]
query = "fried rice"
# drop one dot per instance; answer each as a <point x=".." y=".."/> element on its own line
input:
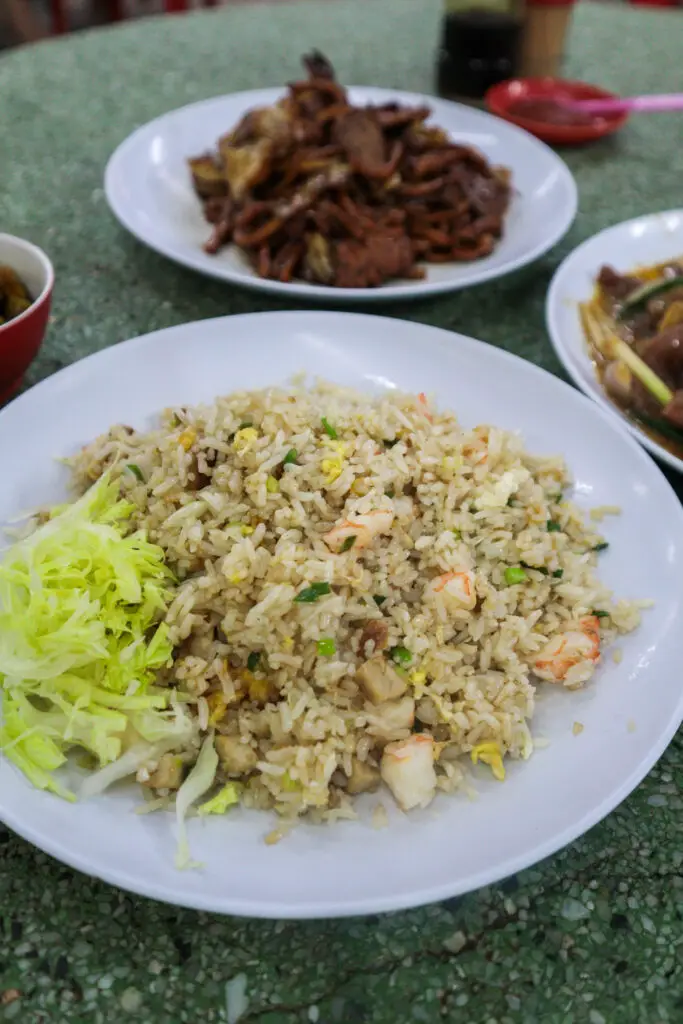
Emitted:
<point x="367" y="592"/>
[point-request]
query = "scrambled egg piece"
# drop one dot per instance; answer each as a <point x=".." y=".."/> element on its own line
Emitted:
<point x="187" y="438"/>
<point x="243" y="438"/>
<point x="217" y="707"/>
<point x="332" y="469"/>
<point x="450" y="465"/>
<point x="490" y="754"/>
<point x="337" y="446"/>
<point x="333" y="466"/>
<point x="418" y="679"/>
<point x="498" y="495"/>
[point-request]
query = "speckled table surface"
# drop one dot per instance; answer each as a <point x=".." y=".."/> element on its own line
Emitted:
<point x="591" y="935"/>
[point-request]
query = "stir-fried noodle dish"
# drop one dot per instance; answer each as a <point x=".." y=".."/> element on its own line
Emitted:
<point x="319" y="189"/>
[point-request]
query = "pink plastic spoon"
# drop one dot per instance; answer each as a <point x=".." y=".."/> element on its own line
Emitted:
<point x="632" y="104"/>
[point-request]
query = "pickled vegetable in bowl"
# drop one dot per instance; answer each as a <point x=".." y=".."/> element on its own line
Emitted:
<point x="14" y="295"/>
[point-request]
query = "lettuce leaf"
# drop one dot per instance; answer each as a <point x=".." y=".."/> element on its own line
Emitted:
<point x="195" y="785"/>
<point x="224" y="799"/>
<point x="80" y="640"/>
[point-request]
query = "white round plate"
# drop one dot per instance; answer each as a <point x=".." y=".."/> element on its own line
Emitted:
<point x="654" y="238"/>
<point x="630" y="711"/>
<point x="148" y="187"/>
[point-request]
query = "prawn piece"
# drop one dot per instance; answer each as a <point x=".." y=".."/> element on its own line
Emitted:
<point x="422" y="399"/>
<point x="407" y="767"/>
<point x="457" y="588"/>
<point x="580" y="642"/>
<point x="359" y="532"/>
<point x="478" y="456"/>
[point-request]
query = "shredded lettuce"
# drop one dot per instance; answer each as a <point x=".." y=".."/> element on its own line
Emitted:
<point x="80" y="644"/>
<point x="224" y="799"/>
<point x="195" y="785"/>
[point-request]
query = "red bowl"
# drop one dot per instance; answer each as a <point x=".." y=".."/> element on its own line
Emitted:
<point x="501" y="97"/>
<point x="21" y="337"/>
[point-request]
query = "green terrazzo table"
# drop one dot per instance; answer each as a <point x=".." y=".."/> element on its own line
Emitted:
<point x="592" y="935"/>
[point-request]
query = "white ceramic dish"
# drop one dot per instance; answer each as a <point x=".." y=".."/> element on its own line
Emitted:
<point x="148" y="187"/>
<point x="456" y="845"/>
<point x="654" y="238"/>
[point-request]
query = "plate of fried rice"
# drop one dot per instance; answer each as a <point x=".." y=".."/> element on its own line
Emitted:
<point x="312" y="614"/>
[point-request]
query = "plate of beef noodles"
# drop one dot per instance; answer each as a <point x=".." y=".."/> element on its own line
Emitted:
<point x="322" y="191"/>
<point x="615" y="317"/>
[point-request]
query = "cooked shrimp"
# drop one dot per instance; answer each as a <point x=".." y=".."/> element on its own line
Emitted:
<point x="422" y="399"/>
<point x="457" y="588"/>
<point x="363" y="529"/>
<point x="580" y="642"/>
<point x="477" y="454"/>
<point x="407" y="767"/>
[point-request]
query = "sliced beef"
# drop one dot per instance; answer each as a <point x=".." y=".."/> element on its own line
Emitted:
<point x="223" y="219"/>
<point x="616" y="286"/>
<point x="392" y="115"/>
<point x="360" y="136"/>
<point x="369" y="263"/>
<point x="673" y="412"/>
<point x="487" y="195"/>
<point x="664" y="355"/>
<point x="318" y="66"/>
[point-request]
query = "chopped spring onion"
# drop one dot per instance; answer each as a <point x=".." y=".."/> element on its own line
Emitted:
<point x="327" y="647"/>
<point x="553" y="526"/>
<point x="558" y="574"/>
<point x="310" y="594"/>
<point x="329" y="429"/>
<point x="400" y="655"/>
<point x="535" y="568"/>
<point x="611" y="346"/>
<point x="290" y="457"/>
<point x="379" y="599"/>
<point x="135" y="470"/>
<point x="641" y="295"/>
<point x="289" y="784"/>
<point x="390" y="444"/>
<point x="348" y="543"/>
<point x="272" y="486"/>
<point x="600" y="614"/>
<point x="245" y="425"/>
<point x="602" y="546"/>
<point x="253" y="660"/>
<point x="390" y="492"/>
<point x="513" y="574"/>
<point x="662" y="427"/>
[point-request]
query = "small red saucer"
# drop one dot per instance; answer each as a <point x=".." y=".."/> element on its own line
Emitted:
<point x="502" y="99"/>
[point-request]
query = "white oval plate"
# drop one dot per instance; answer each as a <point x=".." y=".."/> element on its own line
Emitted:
<point x="148" y="187"/>
<point x="630" y="711"/>
<point x="653" y="238"/>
